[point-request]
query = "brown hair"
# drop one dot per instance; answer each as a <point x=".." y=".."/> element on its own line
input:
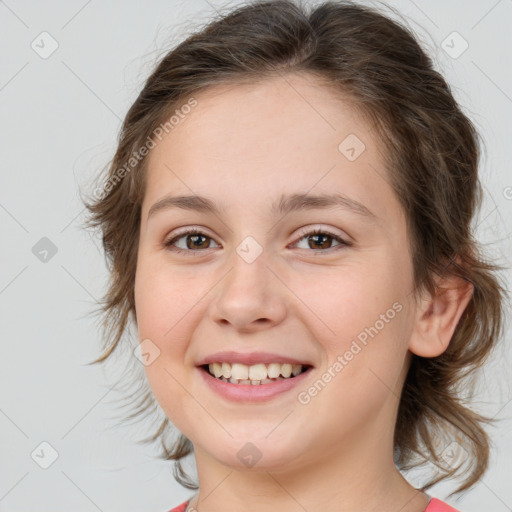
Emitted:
<point x="432" y="159"/>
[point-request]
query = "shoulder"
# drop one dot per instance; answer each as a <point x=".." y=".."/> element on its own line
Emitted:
<point x="182" y="507"/>
<point x="436" y="505"/>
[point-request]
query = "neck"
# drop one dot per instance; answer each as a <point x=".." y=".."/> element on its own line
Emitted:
<point x="344" y="481"/>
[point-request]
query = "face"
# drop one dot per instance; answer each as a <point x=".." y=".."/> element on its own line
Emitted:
<point x="256" y="279"/>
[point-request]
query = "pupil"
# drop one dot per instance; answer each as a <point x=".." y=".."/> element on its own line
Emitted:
<point x="194" y="244"/>
<point x="318" y="236"/>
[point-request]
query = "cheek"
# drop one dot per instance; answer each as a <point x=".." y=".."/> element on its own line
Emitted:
<point x="366" y="343"/>
<point x="364" y="359"/>
<point x="164" y="300"/>
<point x="357" y="303"/>
<point x="164" y="306"/>
<point x="170" y="304"/>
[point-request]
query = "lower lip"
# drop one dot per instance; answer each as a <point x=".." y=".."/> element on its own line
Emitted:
<point x="249" y="392"/>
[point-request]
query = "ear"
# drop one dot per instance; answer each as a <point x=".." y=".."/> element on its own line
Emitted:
<point x="437" y="316"/>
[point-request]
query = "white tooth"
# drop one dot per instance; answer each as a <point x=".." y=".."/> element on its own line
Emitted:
<point x="274" y="369"/>
<point x="286" y="370"/>
<point x="226" y="370"/>
<point x="296" y="368"/>
<point x="215" y="368"/>
<point x="257" y="372"/>
<point x="239" y="371"/>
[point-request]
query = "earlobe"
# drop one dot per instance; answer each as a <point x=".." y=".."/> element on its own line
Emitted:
<point x="438" y="316"/>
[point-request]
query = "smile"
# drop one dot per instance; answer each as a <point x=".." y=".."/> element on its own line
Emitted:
<point x="256" y="374"/>
<point x="247" y="389"/>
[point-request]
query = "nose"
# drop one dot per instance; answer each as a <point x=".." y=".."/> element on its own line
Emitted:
<point x="250" y="297"/>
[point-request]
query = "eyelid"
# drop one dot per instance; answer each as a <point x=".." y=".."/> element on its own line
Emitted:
<point x="190" y="230"/>
<point x="343" y="240"/>
<point x="319" y="228"/>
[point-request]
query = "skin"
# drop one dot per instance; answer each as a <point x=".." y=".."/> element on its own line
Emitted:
<point x="243" y="146"/>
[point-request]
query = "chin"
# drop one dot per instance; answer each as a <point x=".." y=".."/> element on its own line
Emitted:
<point x="248" y="453"/>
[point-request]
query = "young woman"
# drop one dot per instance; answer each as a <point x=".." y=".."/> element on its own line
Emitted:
<point x="287" y="220"/>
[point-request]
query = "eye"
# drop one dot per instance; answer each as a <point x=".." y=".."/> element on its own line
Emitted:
<point x="320" y="237"/>
<point x="194" y="239"/>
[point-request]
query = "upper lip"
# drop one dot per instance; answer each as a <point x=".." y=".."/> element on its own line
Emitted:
<point x="250" y="358"/>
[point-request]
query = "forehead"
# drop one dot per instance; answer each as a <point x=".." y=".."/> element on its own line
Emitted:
<point x="285" y="134"/>
<point x="243" y="121"/>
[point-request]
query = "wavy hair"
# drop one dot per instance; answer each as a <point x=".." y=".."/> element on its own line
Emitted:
<point x="432" y="155"/>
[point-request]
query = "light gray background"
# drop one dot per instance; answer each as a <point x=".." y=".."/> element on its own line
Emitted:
<point x="60" y="118"/>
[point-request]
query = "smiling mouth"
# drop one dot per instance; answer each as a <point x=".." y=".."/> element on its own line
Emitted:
<point x="254" y="375"/>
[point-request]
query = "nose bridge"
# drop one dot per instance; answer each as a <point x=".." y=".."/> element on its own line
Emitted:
<point x="249" y="292"/>
<point x="249" y="275"/>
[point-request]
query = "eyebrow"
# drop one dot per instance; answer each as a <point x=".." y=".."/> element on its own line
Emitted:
<point x="281" y="207"/>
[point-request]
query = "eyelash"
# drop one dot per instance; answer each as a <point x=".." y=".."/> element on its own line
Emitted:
<point x="194" y="231"/>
